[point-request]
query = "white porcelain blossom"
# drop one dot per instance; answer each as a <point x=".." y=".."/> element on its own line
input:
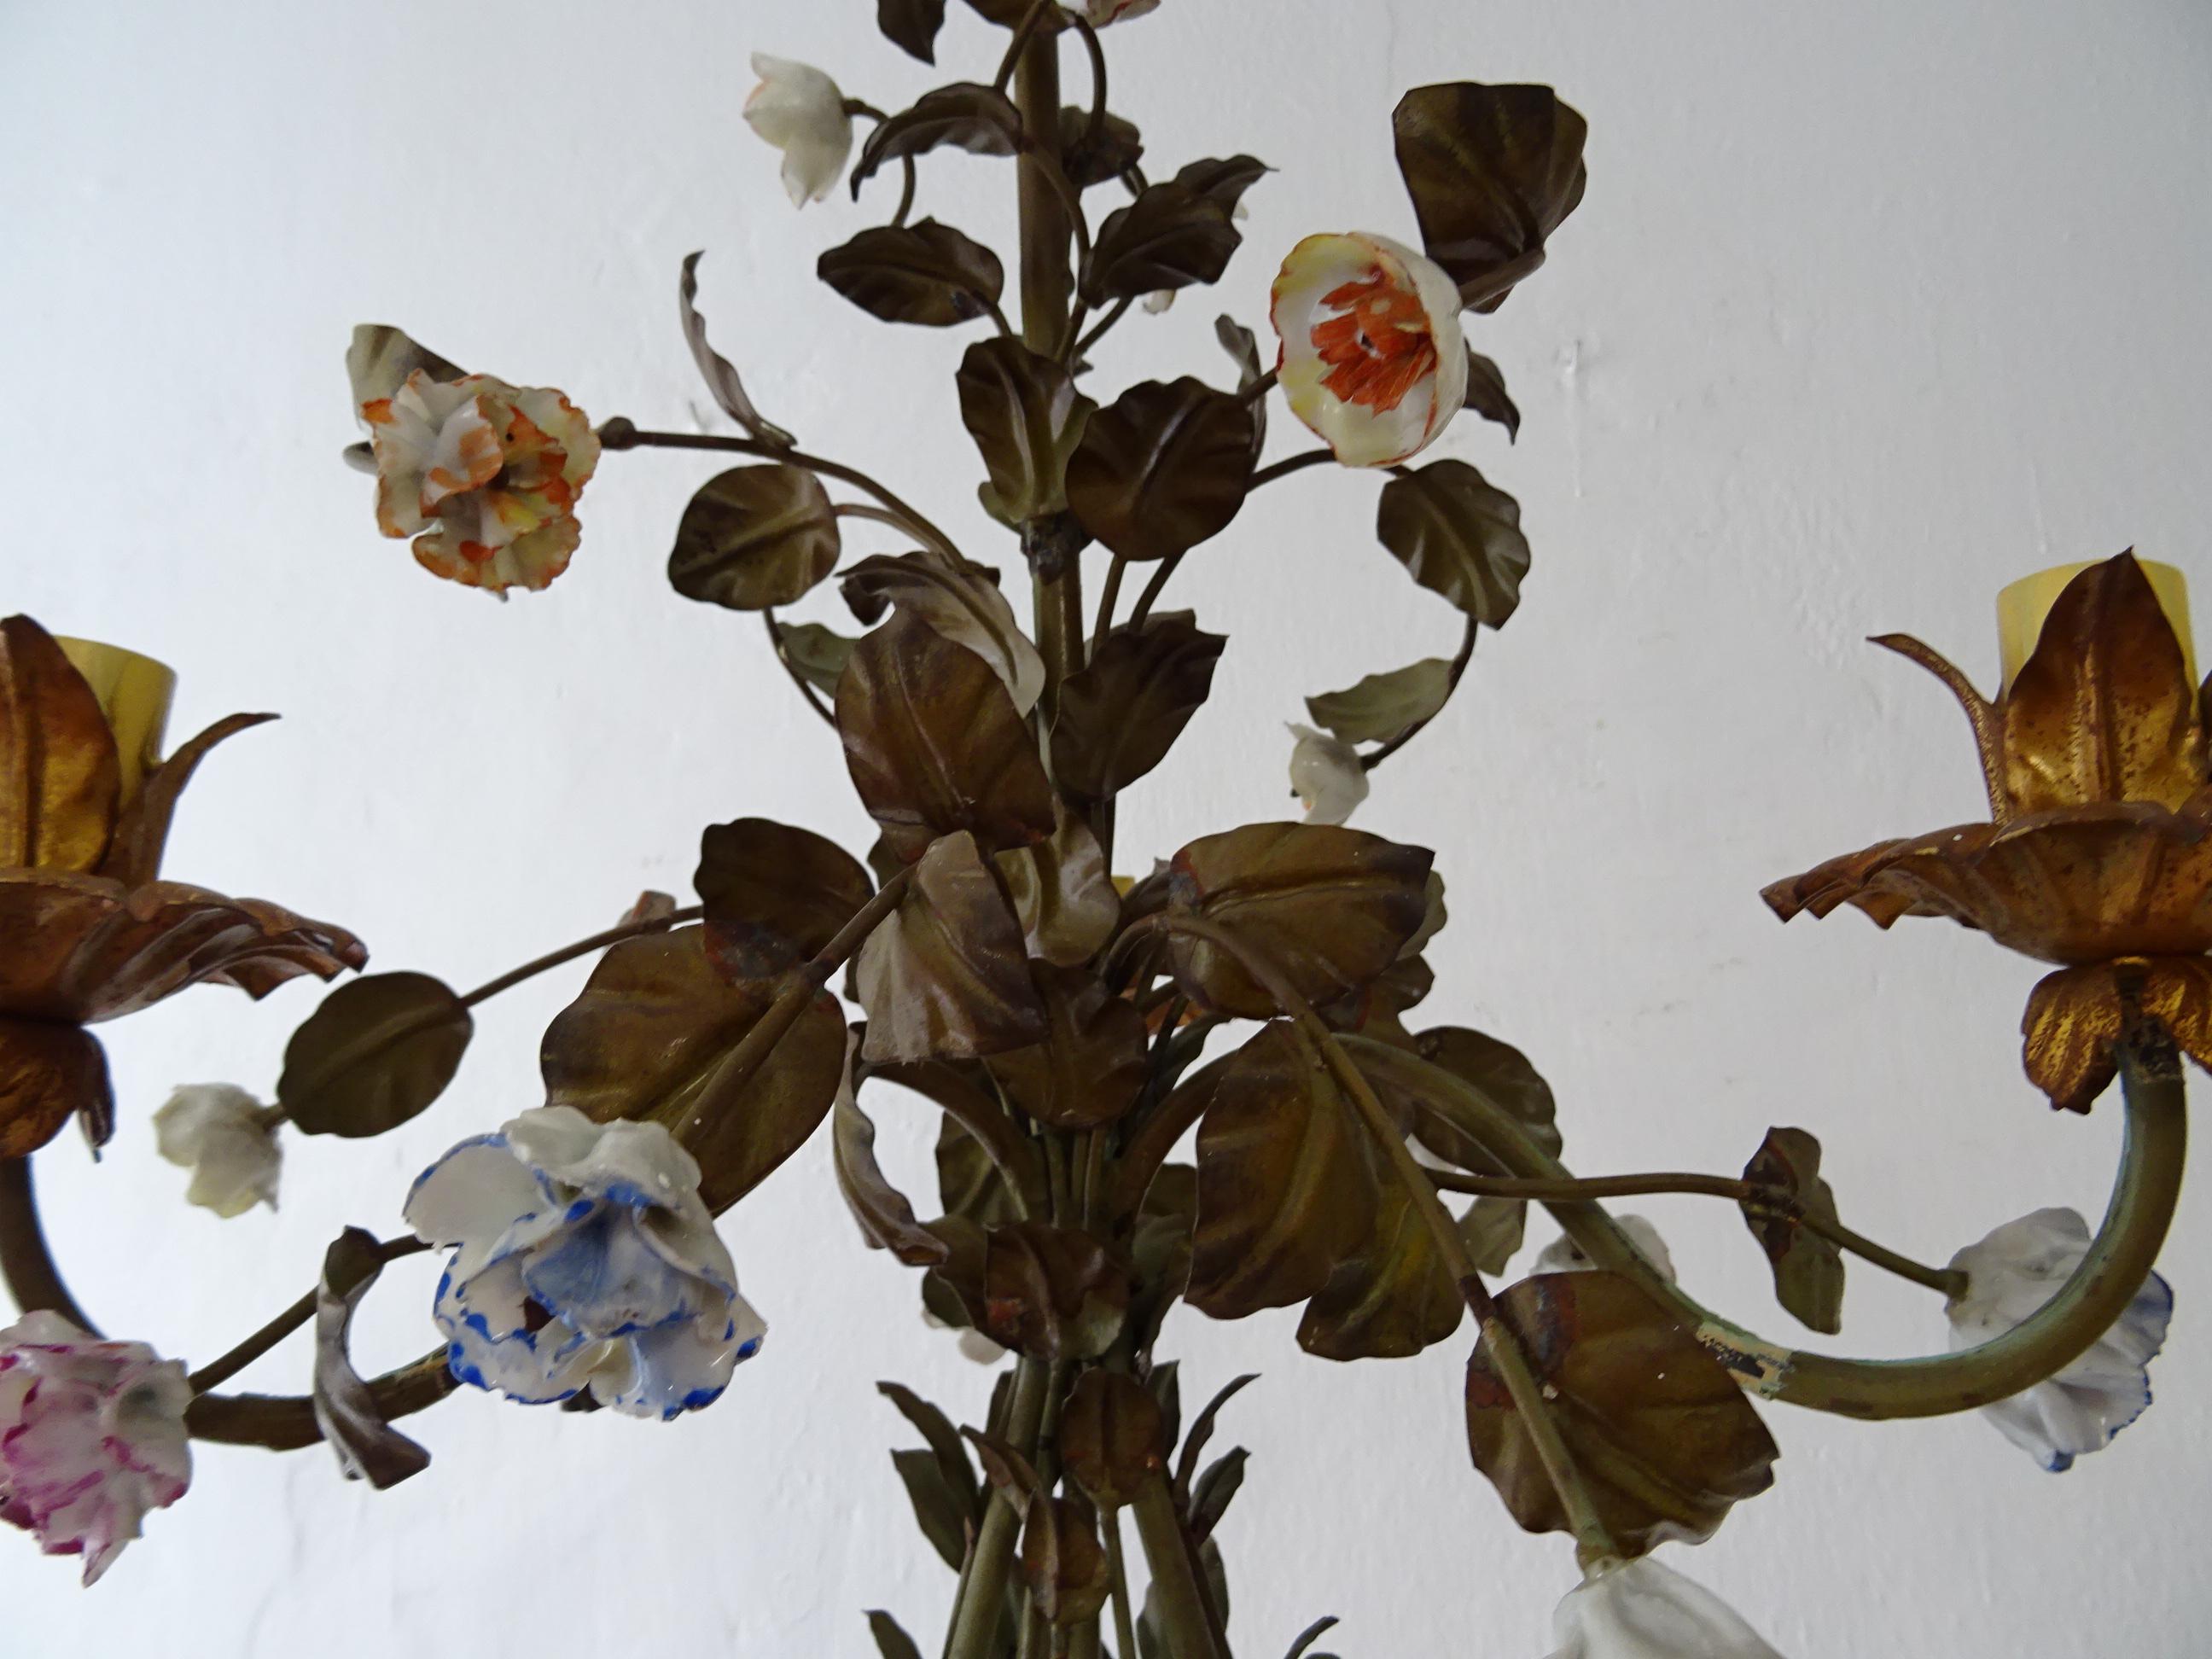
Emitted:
<point x="1564" y="1256"/>
<point x="2009" y="1276"/>
<point x="586" y="1260"/>
<point x="227" y="1139"/>
<point x="1100" y="13"/>
<point x="1372" y="355"/>
<point x="1640" y="1610"/>
<point x="92" y="1437"/>
<point x="800" y="111"/>
<point x="1326" y="775"/>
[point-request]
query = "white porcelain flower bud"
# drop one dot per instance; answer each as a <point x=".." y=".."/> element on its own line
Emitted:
<point x="800" y="111"/>
<point x="227" y="1139"/>
<point x="1640" y="1610"/>
<point x="1326" y="775"/>
<point x="1564" y="1256"/>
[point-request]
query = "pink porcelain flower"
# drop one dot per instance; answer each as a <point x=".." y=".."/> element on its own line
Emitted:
<point x="92" y="1437"/>
<point x="1372" y="357"/>
<point x="484" y="475"/>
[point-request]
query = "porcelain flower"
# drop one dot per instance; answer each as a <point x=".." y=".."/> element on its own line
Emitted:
<point x="800" y="111"/>
<point x="1640" y="1610"/>
<point x="1326" y="775"/>
<point x="1372" y="356"/>
<point x="227" y="1139"/>
<point x="1100" y="13"/>
<point x="586" y="1259"/>
<point x="92" y="1437"/>
<point x="1564" y="1256"/>
<point x="2009" y="1276"/>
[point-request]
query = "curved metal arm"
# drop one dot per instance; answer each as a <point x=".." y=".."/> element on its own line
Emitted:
<point x="2120" y="1258"/>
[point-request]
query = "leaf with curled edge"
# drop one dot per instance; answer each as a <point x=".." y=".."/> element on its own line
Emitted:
<point x="1067" y="903"/>
<point x="944" y="977"/>
<point x="1243" y="346"/>
<point x="885" y="1216"/>
<point x="374" y="1054"/>
<point x="1172" y="236"/>
<point x="980" y="119"/>
<point x="1286" y="1189"/>
<point x="1122" y="711"/>
<point x="963" y="603"/>
<point x="936" y="745"/>
<point x="775" y="895"/>
<point x="1457" y="537"/>
<point x="1332" y="908"/>
<point x="912" y="26"/>
<point x="1026" y="416"/>
<point x="720" y="373"/>
<point x="1054" y="1293"/>
<point x="60" y="776"/>
<point x="1384" y="706"/>
<point x="1493" y="1227"/>
<point x="142" y="829"/>
<point x="1391" y="1298"/>
<point x="1494" y="171"/>
<point x="647" y="1040"/>
<point x="1164" y="466"/>
<point x="368" y="1448"/>
<point x="1089" y="162"/>
<point x="816" y="654"/>
<point x="1112" y="1436"/>
<point x="927" y="274"/>
<point x="1090" y="1069"/>
<point x="754" y="538"/>
<point x="1664" y="1437"/>
<point x="47" y="1071"/>
<point x="1808" y="1267"/>
<point x="1063" y="1563"/>
<point x="1224" y="179"/>
<point x="1487" y="396"/>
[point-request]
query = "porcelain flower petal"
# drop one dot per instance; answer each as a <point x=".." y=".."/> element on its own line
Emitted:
<point x="800" y="111"/>
<point x="584" y="1258"/>
<point x="1564" y="1256"/>
<point x="2009" y="1276"/>
<point x="1326" y="775"/>
<point x="1372" y="355"/>
<point x="92" y="1437"/>
<point x="1640" y="1610"/>
<point x="227" y="1139"/>
<point x="1100" y="13"/>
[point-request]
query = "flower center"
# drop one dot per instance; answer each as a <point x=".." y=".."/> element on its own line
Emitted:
<point x="1379" y="345"/>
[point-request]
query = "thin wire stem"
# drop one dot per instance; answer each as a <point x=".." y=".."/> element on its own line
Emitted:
<point x="217" y="1372"/>
<point x="582" y="947"/>
<point x="1283" y="468"/>
<point x="1109" y="597"/>
<point x="1103" y="327"/>
<point x="1453" y="675"/>
<point x="1145" y="600"/>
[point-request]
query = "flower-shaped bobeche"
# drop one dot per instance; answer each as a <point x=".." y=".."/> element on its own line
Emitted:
<point x="1372" y="355"/>
<point x="2098" y="853"/>
<point x="87" y="931"/>
<point x="92" y="1437"/>
<point x="484" y="475"/>
<point x="2010" y="1275"/>
<point x="586" y="1259"/>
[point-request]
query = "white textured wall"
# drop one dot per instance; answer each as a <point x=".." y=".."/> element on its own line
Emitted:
<point x="1871" y="308"/>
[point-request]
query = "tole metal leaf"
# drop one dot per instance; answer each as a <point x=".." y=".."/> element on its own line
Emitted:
<point x="1458" y="537"/>
<point x="1113" y="1438"/>
<point x="1286" y="1188"/>
<point x="1209" y="1496"/>
<point x="970" y="1183"/>
<point x="1332" y="906"/>
<point x="1162" y="468"/>
<point x="1492" y="1227"/>
<point x="755" y="537"/>
<point x="1151" y="1627"/>
<point x="1223" y="181"/>
<point x="891" y="1642"/>
<point x="60" y="777"/>
<point x="1243" y="346"/>
<point x="1026" y="416"/>
<point x="1487" y="396"/>
<point x="945" y="1441"/>
<point x="1052" y="1292"/>
<point x="1173" y="235"/>
<point x="47" y="1071"/>
<point x="142" y="829"/>
<point x="962" y="602"/>
<point x="1063" y="1563"/>
<point x="935" y="745"/>
<point x="720" y="373"/>
<point x="945" y="976"/>
<point x="1808" y="1267"/>
<point x="911" y="25"/>
<point x="980" y="119"/>
<point x="1382" y="706"/>
<point x="926" y="273"/>
<point x="816" y="654"/>
<point x="1201" y="1431"/>
<point x="1063" y="895"/>
<point x="648" y="1038"/>
<point x="1493" y="171"/>
<point x="775" y="895"/>
<point x="375" y="1054"/>
<point x="368" y="1448"/>
<point x="1089" y="1071"/>
<point x="937" y="1510"/>
<point x="1388" y="1299"/>
<point x="1662" y="1437"/>
<point x="1122" y="711"/>
<point x="886" y="1217"/>
<point x="1089" y="162"/>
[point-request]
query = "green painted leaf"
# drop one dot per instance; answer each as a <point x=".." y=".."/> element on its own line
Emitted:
<point x="376" y="1053"/>
<point x="1382" y="706"/>
<point x="928" y="274"/>
<point x="1493" y="171"/>
<point x="1457" y="537"/>
<point x="755" y="537"/>
<point x="1162" y="468"/>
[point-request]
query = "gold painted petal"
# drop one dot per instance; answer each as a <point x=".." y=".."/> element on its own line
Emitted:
<point x="85" y="948"/>
<point x="60" y="778"/>
<point x="143" y="831"/>
<point x="2073" y="1019"/>
<point x="2104" y="710"/>
<point x="46" y="1072"/>
<point x="1981" y="714"/>
<point x="2176" y="991"/>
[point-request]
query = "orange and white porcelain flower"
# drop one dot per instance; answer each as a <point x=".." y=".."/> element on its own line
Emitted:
<point x="1372" y="355"/>
<point x="484" y="475"/>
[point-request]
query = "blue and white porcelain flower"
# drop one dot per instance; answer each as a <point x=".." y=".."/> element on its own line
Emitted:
<point x="586" y="1260"/>
<point x="2010" y="1275"/>
<point x="1640" y="1610"/>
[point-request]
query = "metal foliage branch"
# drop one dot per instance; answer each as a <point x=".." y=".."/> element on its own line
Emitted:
<point x="1073" y="1030"/>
